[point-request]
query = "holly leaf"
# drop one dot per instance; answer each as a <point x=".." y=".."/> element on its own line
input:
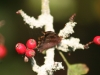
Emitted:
<point x="77" y="69"/>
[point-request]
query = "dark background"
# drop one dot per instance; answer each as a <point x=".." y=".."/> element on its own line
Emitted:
<point x="14" y="31"/>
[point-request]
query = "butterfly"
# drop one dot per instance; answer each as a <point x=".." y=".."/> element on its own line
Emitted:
<point x="48" y="40"/>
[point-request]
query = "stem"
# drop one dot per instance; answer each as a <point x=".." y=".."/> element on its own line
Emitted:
<point x="63" y="57"/>
<point x="87" y="45"/>
<point x="45" y="7"/>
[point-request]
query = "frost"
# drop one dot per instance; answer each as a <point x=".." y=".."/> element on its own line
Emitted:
<point x="72" y="43"/>
<point x="67" y="30"/>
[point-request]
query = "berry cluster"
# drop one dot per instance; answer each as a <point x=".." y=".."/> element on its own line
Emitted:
<point x="28" y="50"/>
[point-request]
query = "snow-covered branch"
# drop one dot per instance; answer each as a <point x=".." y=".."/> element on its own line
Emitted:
<point x="46" y="20"/>
<point x="45" y="7"/>
<point x="70" y="44"/>
<point x="67" y="30"/>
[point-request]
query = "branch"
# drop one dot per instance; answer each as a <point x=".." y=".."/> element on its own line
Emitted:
<point x="45" y="19"/>
<point x="70" y="44"/>
<point x="45" y="7"/>
<point x="67" y="30"/>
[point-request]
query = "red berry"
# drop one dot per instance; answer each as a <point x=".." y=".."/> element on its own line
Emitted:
<point x="31" y="43"/>
<point x="3" y="51"/>
<point x="30" y="53"/>
<point x="20" y="48"/>
<point x="96" y="40"/>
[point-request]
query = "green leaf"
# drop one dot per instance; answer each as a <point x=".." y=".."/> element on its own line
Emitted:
<point x="77" y="69"/>
<point x="74" y="69"/>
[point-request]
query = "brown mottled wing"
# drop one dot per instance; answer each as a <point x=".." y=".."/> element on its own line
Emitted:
<point x="48" y="40"/>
